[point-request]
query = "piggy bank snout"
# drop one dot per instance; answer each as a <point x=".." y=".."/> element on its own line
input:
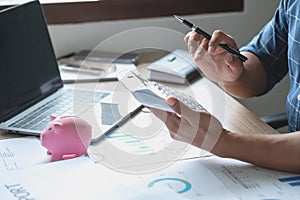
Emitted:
<point x="44" y="138"/>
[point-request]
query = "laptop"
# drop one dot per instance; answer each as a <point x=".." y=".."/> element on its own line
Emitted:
<point x="31" y="86"/>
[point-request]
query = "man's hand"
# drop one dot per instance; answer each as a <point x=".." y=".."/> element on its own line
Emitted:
<point x="215" y="62"/>
<point x="194" y="127"/>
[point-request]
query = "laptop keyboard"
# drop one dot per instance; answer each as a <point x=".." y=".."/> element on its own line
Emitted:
<point x="69" y="103"/>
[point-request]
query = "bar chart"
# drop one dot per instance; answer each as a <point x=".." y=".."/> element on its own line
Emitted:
<point x="293" y="181"/>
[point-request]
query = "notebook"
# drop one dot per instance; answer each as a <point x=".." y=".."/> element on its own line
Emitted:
<point x="30" y="83"/>
<point x="176" y="67"/>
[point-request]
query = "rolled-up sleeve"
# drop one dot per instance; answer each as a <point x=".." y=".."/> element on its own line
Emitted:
<point x="270" y="46"/>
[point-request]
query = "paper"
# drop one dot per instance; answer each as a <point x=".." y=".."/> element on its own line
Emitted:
<point x="26" y="174"/>
<point x="133" y="154"/>
<point x="163" y="192"/>
<point x="20" y="153"/>
<point x="208" y="178"/>
<point x="189" y="178"/>
<point x="251" y="182"/>
<point x="69" y="73"/>
<point x="77" y="178"/>
<point x="80" y="178"/>
<point x="119" y="68"/>
<point x="141" y="141"/>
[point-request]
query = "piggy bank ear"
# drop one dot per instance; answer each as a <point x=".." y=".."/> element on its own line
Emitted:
<point x="52" y="117"/>
<point x="57" y="127"/>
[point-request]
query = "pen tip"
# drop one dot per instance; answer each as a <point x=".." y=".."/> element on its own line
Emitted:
<point x="178" y="18"/>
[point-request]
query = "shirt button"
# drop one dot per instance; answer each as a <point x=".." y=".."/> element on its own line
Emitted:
<point x="298" y="97"/>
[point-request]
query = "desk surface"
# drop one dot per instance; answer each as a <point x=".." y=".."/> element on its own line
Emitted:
<point x="233" y="115"/>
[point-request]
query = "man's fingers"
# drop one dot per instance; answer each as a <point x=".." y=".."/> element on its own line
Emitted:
<point x="171" y="120"/>
<point x="193" y="42"/>
<point x="186" y="37"/>
<point x="191" y="116"/>
<point x="201" y="51"/>
<point x="160" y="114"/>
<point x="220" y="37"/>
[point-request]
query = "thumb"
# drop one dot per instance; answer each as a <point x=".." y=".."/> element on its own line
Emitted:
<point x="190" y="115"/>
<point x="173" y="102"/>
<point x="179" y="107"/>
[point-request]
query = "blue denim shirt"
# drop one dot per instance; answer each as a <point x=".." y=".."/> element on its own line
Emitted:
<point x="278" y="47"/>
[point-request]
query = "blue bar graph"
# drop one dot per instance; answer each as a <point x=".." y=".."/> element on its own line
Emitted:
<point x="292" y="181"/>
<point x="129" y="142"/>
<point x="289" y="179"/>
<point x="132" y="141"/>
<point x="295" y="184"/>
<point x="116" y="136"/>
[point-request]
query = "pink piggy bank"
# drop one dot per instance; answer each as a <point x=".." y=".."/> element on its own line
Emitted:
<point x="66" y="137"/>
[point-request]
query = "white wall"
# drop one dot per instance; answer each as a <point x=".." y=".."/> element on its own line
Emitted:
<point x="241" y="25"/>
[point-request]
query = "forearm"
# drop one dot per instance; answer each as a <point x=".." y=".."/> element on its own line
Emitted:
<point x="252" y="81"/>
<point x="280" y="152"/>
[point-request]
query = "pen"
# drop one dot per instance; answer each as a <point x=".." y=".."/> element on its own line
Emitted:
<point x="208" y="36"/>
<point x="89" y="80"/>
<point x="118" y="123"/>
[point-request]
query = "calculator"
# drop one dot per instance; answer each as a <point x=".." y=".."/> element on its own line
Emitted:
<point x="153" y="94"/>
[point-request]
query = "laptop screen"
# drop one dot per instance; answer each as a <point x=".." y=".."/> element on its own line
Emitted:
<point x="28" y="67"/>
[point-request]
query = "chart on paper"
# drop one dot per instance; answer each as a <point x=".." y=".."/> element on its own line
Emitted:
<point x="7" y="158"/>
<point x="132" y="144"/>
<point x="83" y="179"/>
<point x="18" y="153"/>
<point x="142" y="141"/>
<point x="127" y="149"/>
<point x="252" y="182"/>
<point x="190" y="179"/>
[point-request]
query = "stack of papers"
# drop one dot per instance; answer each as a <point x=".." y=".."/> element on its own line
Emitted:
<point x="77" y="75"/>
<point x="94" y="66"/>
<point x="27" y="174"/>
<point x="80" y="178"/>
